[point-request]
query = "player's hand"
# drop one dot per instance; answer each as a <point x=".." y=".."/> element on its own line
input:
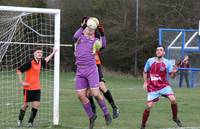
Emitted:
<point x="145" y="86"/>
<point x="101" y="27"/>
<point x="84" y="21"/>
<point x="175" y="70"/>
<point x="25" y="83"/>
<point x="55" y="50"/>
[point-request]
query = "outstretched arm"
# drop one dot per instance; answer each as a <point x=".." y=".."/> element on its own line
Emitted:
<point x="79" y="31"/>
<point x="51" y="55"/>
<point x="145" y="80"/>
<point x="103" y="40"/>
<point x="146" y="69"/>
<point x="102" y="35"/>
<point x="173" y="73"/>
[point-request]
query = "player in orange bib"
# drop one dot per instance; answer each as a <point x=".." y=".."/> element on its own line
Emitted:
<point x="107" y="94"/>
<point x="31" y="84"/>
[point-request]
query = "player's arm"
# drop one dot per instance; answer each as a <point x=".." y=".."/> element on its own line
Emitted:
<point x="146" y="69"/>
<point x="145" y="80"/>
<point x="21" y="70"/>
<point x="178" y="63"/>
<point x="51" y="55"/>
<point x="173" y="73"/>
<point x="80" y="30"/>
<point x="172" y="70"/>
<point x="102" y="35"/>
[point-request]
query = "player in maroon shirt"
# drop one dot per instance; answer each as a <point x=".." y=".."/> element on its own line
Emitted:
<point x="156" y="84"/>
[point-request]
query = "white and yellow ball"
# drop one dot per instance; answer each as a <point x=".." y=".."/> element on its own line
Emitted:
<point x="92" y="23"/>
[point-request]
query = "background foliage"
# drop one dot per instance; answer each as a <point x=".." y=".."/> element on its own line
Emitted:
<point x="119" y="17"/>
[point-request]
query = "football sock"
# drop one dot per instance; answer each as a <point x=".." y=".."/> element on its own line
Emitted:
<point x="109" y="97"/>
<point x="174" y="108"/>
<point x="103" y="107"/>
<point x="33" y="114"/>
<point x="21" y="114"/>
<point x="88" y="109"/>
<point x="92" y="103"/>
<point x="145" y="117"/>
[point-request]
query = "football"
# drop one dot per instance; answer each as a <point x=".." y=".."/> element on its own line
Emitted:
<point x="92" y="23"/>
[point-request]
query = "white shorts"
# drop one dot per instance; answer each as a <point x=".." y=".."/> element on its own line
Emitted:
<point x="154" y="96"/>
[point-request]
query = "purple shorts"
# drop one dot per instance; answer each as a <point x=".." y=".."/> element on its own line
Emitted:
<point x="87" y="77"/>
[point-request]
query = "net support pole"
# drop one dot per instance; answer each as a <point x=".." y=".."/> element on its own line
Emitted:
<point x="56" y="70"/>
<point x="199" y="27"/>
<point x="160" y="37"/>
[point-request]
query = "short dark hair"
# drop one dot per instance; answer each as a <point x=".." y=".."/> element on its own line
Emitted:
<point x="159" y="45"/>
<point x="38" y="48"/>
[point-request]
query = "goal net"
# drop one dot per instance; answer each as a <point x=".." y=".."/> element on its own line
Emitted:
<point x="181" y="42"/>
<point x="21" y="31"/>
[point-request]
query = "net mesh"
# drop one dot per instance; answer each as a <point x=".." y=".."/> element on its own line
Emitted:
<point x="20" y="34"/>
<point x="179" y="43"/>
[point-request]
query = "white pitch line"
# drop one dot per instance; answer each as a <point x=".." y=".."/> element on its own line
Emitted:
<point x="131" y="88"/>
<point x="118" y="100"/>
<point x="183" y="128"/>
<point x="99" y="127"/>
<point x="77" y="127"/>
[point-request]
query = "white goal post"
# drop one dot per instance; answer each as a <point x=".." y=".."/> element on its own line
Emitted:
<point x="56" y="13"/>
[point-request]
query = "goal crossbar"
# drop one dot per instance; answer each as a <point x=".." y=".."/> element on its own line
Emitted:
<point x="37" y="44"/>
<point x="29" y="10"/>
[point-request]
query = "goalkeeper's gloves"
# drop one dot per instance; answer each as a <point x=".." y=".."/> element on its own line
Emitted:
<point x="101" y="29"/>
<point x="84" y="22"/>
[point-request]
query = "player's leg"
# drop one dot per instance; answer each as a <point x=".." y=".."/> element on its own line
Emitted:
<point x="93" y="80"/>
<point x="181" y="79"/>
<point x="186" y="79"/>
<point x="152" y="97"/>
<point x="90" y="97"/>
<point x="174" y="108"/>
<point x="93" y="106"/>
<point x="84" y="100"/>
<point x="106" y="92"/>
<point x="23" y="109"/>
<point x="81" y="91"/>
<point x="101" y="101"/>
<point x="146" y="113"/>
<point x="22" y="113"/>
<point x="167" y="91"/>
<point x="87" y="107"/>
<point x="35" y="104"/>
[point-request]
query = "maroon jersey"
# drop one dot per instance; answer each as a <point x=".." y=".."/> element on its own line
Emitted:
<point x="157" y="73"/>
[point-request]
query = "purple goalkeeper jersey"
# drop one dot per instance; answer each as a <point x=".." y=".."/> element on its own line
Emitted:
<point x="83" y="53"/>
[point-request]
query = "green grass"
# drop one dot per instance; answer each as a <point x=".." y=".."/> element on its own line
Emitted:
<point x="131" y="98"/>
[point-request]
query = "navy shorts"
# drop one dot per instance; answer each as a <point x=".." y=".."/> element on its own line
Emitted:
<point x="101" y="78"/>
<point x="32" y="95"/>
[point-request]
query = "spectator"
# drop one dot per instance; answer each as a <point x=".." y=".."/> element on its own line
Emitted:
<point x="184" y="73"/>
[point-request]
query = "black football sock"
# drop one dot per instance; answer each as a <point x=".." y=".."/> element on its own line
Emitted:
<point x="109" y="97"/>
<point x="93" y="106"/>
<point x="21" y="114"/>
<point x="33" y="115"/>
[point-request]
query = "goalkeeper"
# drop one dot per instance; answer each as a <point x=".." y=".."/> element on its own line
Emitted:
<point x="106" y="92"/>
<point x="87" y="73"/>
<point x="31" y="84"/>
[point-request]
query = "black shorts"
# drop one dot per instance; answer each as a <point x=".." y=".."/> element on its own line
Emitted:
<point x="32" y="95"/>
<point x="101" y="79"/>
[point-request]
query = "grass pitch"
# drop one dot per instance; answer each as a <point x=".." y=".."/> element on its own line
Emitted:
<point x="130" y="98"/>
